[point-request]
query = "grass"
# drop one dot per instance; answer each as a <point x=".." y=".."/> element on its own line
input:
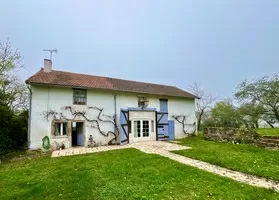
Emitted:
<point x="120" y="174"/>
<point x="240" y="157"/>
<point x="268" y="131"/>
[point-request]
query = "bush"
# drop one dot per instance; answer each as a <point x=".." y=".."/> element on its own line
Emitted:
<point x="13" y="130"/>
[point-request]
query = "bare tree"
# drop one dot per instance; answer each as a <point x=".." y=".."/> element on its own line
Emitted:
<point x="182" y="119"/>
<point x="203" y="103"/>
<point x="13" y="92"/>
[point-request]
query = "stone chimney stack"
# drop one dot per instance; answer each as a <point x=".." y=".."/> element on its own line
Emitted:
<point x="47" y="65"/>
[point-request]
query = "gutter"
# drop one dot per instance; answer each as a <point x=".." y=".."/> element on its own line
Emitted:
<point x="115" y="114"/>
<point x="116" y="129"/>
<point x="29" y="115"/>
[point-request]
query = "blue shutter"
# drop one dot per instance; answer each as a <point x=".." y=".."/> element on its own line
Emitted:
<point x="124" y="126"/>
<point x="164" y="105"/>
<point x="171" y="130"/>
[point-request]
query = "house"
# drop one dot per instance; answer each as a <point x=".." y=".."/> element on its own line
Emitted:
<point x="84" y="110"/>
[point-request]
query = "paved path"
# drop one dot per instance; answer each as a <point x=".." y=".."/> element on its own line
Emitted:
<point x="164" y="148"/>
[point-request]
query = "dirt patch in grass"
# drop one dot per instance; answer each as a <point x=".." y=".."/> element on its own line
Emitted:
<point x="23" y="155"/>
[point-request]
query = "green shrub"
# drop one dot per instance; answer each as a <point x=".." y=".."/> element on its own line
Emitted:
<point x="13" y="130"/>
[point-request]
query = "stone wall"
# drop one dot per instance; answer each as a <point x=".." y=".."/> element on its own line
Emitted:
<point x="237" y="135"/>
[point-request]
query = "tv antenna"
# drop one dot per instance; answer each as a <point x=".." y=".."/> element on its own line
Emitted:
<point x="51" y="51"/>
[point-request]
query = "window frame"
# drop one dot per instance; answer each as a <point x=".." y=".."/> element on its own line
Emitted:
<point x="61" y="129"/>
<point x="142" y="128"/>
<point x="77" y="96"/>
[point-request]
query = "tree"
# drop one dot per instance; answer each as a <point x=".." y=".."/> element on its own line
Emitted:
<point x="13" y="93"/>
<point x="13" y="100"/>
<point x="203" y="104"/>
<point x="263" y="92"/>
<point x="250" y="114"/>
<point x="269" y="120"/>
<point x="225" y="114"/>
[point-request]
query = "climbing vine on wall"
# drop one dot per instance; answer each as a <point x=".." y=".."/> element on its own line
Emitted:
<point x="182" y="119"/>
<point x="94" y="123"/>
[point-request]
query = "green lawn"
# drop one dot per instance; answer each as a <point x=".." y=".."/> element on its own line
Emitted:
<point x="239" y="157"/>
<point x="268" y="131"/>
<point x="121" y="174"/>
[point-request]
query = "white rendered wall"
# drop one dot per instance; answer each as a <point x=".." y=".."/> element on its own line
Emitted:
<point x="46" y="98"/>
<point x="182" y="107"/>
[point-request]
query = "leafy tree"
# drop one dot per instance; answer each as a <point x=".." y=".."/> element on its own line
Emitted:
<point x="250" y="114"/>
<point x="263" y="92"/>
<point x="225" y="114"/>
<point x="270" y="120"/>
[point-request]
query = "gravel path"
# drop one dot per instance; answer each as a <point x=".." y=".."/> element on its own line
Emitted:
<point x="164" y="148"/>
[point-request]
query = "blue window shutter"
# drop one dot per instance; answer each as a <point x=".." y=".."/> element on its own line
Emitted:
<point x="164" y="105"/>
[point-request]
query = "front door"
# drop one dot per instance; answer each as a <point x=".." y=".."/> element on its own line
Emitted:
<point x="142" y="130"/>
<point x="79" y="133"/>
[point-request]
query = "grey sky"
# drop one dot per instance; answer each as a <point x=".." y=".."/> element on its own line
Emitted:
<point x="175" y="42"/>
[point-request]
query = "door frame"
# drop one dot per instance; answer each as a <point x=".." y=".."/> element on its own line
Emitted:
<point x="83" y="133"/>
<point x="141" y="138"/>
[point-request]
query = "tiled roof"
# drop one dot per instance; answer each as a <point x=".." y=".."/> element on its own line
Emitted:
<point x="61" y="78"/>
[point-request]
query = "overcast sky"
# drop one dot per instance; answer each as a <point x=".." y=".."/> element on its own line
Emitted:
<point x="176" y="42"/>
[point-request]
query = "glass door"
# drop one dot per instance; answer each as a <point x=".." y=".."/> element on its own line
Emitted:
<point x="141" y="129"/>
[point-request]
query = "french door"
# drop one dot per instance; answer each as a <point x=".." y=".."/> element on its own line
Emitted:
<point x="142" y="129"/>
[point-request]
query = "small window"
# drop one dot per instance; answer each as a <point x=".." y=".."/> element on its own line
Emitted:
<point x="61" y="129"/>
<point x="79" y="97"/>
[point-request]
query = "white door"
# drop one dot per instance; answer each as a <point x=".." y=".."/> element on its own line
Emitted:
<point x="143" y="130"/>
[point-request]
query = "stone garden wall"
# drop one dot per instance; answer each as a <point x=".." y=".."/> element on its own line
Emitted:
<point x="238" y="135"/>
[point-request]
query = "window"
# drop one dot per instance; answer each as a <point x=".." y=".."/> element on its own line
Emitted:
<point x="136" y="128"/>
<point x="79" y="96"/>
<point x="152" y="126"/>
<point x="142" y="102"/>
<point x="145" y="128"/>
<point x="61" y="129"/>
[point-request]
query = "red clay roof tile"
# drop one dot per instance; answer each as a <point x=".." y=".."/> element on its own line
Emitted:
<point x="98" y="82"/>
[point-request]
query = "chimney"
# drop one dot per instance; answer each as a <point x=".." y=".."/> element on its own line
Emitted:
<point x="47" y="65"/>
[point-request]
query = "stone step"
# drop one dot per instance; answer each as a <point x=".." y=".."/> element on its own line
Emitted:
<point x="266" y="144"/>
<point x="270" y="137"/>
<point x="269" y="140"/>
